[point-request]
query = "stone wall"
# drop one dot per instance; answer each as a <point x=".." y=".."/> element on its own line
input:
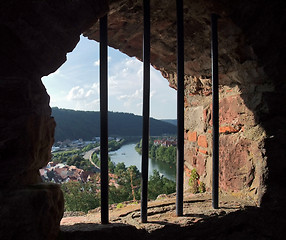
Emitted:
<point x="242" y="162"/>
<point x="249" y="67"/>
<point x="37" y="35"/>
<point x="35" y="38"/>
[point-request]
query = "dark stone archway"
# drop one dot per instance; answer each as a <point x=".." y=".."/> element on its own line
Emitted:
<point x="35" y="38"/>
<point x="37" y="35"/>
<point x="251" y="66"/>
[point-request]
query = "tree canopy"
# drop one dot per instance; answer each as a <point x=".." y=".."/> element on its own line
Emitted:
<point x="73" y="124"/>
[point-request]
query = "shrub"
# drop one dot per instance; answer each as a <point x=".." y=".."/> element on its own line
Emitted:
<point x="119" y="205"/>
<point x="193" y="181"/>
<point x="202" y="187"/>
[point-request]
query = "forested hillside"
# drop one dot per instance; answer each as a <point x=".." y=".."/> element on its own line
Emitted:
<point x="73" y="124"/>
<point x="172" y="121"/>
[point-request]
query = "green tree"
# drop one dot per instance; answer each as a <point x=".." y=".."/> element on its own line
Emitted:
<point x="159" y="185"/>
<point x="129" y="180"/>
<point x="193" y="181"/>
<point x="152" y="153"/>
<point x="115" y="145"/>
<point x="133" y="178"/>
<point x="81" y="163"/>
<point x="120" y="169"/>
<point x="111" y="165"/>
<point x="89" y="147"/>
<point x="95" y="159"/>
<point x="80" y="196"/>
<point x="160" y="153"/>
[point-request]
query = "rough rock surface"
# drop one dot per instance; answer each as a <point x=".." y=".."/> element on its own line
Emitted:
<point x="236" y="219"/>
<point x="35" y="38"/>
<point x="162" y="211"/>
<point x="242" y="165"/>
<point x="32" y="212"/>
<point x="27" y="130"/>
<point x="250" y="76"/>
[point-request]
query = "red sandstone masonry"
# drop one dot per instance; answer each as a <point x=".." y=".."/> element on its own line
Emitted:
<point x="202" y="141"/>
<point x="186" y="135"/>
<point x="228" y="129"/>
<point x="192" y="136"/>
<point x="205" y="114"/>
<point x="203" y="151"/>
<point x="187" y="171"/>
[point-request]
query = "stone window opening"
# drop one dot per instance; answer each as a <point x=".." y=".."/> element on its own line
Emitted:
<point x="36" y="35"/>
<point x="130" y="66"/>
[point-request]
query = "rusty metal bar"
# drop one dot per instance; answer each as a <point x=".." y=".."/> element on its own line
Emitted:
<point x="103" y="121"/>
<point x="146" y="110"/>
<point x="215" y="111"/>
<point x="180" y="108"/>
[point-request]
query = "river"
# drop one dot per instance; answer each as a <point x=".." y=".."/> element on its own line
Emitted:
<point x="129" y="156"/>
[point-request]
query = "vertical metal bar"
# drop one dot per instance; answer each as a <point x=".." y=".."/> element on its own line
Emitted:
<point x="146" y="110"/>
<point x="180" y="108"/>
<point x="103" y="120"/>
<point x="215" y="112"/>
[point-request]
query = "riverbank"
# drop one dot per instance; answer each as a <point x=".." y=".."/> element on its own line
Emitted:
<point x="129" y="156"/>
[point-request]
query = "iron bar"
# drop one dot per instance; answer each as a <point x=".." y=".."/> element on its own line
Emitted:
<point x="180" y="109"/>
<point x="146" y="110"/>
<point x="103" y="121"/>
<point x="215" y="111"/>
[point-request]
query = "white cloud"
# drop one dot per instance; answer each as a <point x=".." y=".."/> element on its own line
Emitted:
<point x="124" y="78"/>
<point x="131" y="61"/>
<point x="95" y="86"/>
<point x="122" y="97"/>
<point x="136" y="95"/>
<point x="86" y="92"/>
<point x="139" y="105"/>
<point x="76" y="84"/>
<point x="131" y="99"/>
<point x="76" y="93"/>
<point x="89" y="93"/>
<point x="92" y="105"/>
<point x="97" y="63"/>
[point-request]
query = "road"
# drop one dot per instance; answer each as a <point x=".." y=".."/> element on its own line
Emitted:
<point x="88" y="155"/>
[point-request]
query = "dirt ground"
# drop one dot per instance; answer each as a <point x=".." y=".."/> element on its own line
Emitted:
<point x="162" y="212"/>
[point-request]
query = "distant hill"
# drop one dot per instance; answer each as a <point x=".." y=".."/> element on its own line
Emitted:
<point x="73" y="124"/>
<point x="172" y="121"/>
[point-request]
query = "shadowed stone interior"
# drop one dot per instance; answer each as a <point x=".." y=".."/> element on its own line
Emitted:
<point x="35" y="38"/>
<point x="37" y="35"/>
<point x="250" y="84"/>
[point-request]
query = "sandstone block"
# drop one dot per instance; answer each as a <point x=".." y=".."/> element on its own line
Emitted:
<point x="33" y="212"/>
<point x="186" y="135"/>
<point x="192" y="136"/>
<point x="201" y="164"/>
<point x="228" y="129"/>
<point x="195" y="159"/>
<point x="237" y="169"/>
<point x="202" y="141"/>
<point x="194" y="119"/>
<point x="203" y="151"/>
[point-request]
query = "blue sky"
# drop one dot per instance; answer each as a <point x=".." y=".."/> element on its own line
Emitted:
<point x="75" y="85"/>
